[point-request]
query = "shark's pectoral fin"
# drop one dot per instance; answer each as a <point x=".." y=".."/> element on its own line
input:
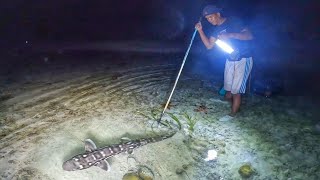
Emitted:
<point x="130" y="151"/>
<point x="89" y="145"/>
<point x="125" y="139"/>
<point x="103" y="165"/>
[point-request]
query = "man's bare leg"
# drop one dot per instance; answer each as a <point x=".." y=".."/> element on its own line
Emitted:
<point x="236" y="102"/>
<point x="228" y="96"/>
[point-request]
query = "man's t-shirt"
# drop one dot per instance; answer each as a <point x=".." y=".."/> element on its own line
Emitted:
<point x="234" y="25"/>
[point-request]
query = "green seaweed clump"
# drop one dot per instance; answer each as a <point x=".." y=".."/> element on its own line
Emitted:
<point x="246" y="171"/>
<point x="155" y="116"/>
<point x="190" y="121"/>
<point x="176" y="119"/>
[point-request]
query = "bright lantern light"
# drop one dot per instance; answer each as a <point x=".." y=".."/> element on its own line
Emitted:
<point x="224" y="46"/>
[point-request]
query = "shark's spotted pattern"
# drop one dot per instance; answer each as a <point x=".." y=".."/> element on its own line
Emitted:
<point x="97" y="157"/>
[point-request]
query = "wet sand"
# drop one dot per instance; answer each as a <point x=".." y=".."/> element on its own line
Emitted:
<point x="49" y="107"/>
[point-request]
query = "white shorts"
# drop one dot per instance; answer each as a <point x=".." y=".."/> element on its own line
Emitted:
<point x="236" y="74"/>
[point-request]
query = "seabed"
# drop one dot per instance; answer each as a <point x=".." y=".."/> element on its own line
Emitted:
<point x="48" y="109"/>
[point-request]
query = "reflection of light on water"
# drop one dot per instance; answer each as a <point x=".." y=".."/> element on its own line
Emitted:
<point x="212" y="155"/>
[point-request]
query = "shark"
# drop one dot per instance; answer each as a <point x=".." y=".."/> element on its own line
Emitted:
<point x="94" y="156"/>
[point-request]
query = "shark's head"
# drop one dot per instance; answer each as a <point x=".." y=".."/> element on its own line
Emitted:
<point x="72" y="165"/>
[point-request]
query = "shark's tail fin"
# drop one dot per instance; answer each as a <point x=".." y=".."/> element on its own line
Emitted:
<point x="159" y="138"/>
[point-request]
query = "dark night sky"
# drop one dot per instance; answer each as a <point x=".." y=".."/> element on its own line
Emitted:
<point x="57" y="20"/>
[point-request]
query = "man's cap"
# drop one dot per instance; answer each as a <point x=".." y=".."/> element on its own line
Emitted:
<point x="211" y="9"/>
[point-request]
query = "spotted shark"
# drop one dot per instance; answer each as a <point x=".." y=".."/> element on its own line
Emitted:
<point x="94" y="156"/>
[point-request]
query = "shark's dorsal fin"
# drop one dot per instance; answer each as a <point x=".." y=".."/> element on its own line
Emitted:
<point x="103" y="165"/>
<point x="89" y="145"/>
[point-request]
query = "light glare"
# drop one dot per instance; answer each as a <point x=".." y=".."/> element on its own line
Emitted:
<point x="224" y="46"/>
<point x="212" y="155"/>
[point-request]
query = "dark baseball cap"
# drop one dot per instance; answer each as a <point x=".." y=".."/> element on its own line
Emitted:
<point x="211" y="9"/>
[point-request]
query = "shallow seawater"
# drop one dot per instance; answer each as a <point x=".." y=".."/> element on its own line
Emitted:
<point x="50" y="107"/>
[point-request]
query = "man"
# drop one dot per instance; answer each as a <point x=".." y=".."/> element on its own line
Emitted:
<point x="238" y="67"/>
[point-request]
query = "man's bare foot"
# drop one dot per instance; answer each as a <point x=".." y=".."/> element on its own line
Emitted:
<point x="226" y="118"/>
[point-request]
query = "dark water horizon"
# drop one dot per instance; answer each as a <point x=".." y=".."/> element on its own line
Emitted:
<point x="283" y="70"/>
